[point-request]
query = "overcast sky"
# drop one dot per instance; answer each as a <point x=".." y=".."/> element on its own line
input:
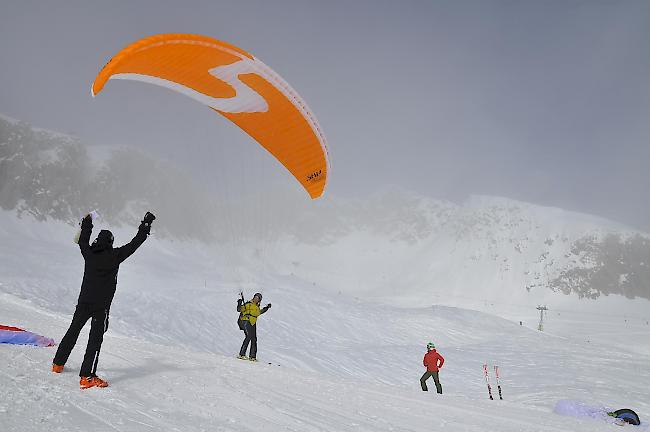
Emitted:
<point x="542" y="101"/>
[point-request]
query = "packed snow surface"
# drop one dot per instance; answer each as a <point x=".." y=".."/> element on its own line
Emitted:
<point x="337" y="362"/>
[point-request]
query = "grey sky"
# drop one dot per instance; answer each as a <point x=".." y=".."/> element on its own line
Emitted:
<point x="545" y="101"/>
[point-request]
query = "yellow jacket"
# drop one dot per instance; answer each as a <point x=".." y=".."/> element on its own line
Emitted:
<point x="250" y="311"/>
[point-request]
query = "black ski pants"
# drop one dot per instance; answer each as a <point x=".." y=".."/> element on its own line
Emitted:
<point x="98" y="326"/>
<point x="251" y="337"/>
<point x="436" y="380"/>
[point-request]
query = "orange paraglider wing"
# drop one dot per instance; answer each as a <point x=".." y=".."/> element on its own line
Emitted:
<point x="238" y="86"/>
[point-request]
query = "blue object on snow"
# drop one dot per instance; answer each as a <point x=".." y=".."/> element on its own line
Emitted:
<point x="579" y="409"/>
<point x="18" y="336"/>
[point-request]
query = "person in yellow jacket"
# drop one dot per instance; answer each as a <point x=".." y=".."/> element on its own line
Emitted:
<point x="249" y="312"/>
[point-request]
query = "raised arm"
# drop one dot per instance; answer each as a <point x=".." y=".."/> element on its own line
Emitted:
<point x="265" y="308"/>
<point x="84" y="237"/>
<point x="144" y="229"/>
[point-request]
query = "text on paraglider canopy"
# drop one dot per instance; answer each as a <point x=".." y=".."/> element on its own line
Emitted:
<point x="315" y="176"/>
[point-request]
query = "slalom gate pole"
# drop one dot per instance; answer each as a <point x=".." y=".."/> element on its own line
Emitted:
<point x="487" y="381"/>
<point x="496" y="374"/>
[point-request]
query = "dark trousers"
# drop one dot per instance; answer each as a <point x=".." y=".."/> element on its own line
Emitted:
<point x="436" y="379"/>
<point x="98" y="326"/>
<point x="251" y="337"/>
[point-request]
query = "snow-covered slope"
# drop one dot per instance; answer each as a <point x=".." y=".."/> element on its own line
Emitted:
<point x="166" y="389"/>
<point x="398" y="244"/>
<point x="347" y="363"/>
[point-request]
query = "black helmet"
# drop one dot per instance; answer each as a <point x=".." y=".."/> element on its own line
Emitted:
<point x="104" y="240"/>
<point x="258" y="295"/>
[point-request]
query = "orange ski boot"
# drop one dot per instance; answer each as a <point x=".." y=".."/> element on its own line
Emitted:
<point x="92" y="381"/>
<point x="57" y="368"/>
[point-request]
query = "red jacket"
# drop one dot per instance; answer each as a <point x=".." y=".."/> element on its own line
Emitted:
<point x="431" y="361"/>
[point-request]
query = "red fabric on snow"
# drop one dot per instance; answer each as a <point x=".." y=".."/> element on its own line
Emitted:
<point x="4" y="327"/>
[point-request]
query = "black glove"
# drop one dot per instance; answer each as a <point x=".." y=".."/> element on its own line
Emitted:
<point x="268" y="306"/>
<point x="148" y="218"/>
<point x="87" y="222"/>
<point x="145" y="228"/>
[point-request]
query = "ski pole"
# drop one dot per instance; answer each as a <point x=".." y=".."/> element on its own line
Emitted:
<point x="496" y="374"/>
<point x="487" y="381"/>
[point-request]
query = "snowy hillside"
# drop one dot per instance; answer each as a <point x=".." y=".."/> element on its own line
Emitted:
<point x="394" y="244"/>
<point x="358" y="287"/>
<point x="347" y="363"/>
<point x="398" y="244"/>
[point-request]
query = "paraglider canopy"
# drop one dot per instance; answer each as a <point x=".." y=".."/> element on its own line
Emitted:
<point x="238" y="86"/>
<point x="17" y="336"/>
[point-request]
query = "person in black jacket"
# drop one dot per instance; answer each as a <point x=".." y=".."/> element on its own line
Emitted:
<point x="102" y="263"/>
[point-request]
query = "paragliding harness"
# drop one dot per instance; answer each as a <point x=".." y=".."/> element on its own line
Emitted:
<point x="240" y="307"/>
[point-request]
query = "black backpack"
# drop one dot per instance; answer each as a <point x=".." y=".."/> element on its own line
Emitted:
<point x="240" y="322"/>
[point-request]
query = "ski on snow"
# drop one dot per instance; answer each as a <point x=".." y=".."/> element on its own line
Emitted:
<point x="496" y="374"/>
<point x="487" y="380"/>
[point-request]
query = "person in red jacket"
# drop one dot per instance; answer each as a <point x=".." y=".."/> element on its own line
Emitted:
<point x="433" y="361"/>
